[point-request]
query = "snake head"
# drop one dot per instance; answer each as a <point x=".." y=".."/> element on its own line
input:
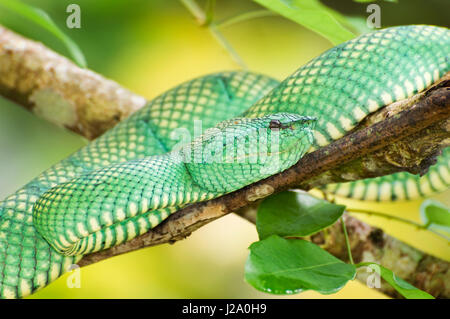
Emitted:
<point x="242" y="151"/>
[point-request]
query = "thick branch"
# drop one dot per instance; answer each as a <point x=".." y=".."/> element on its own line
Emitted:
<point x="430" y="111"/>
<point x="53" y="87"/>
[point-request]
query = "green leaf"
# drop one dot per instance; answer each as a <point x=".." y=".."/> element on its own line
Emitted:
<point x="287" y="266"/>
<point x="313" y="15"/>
<point x="404" y="288"/>
<point x="435" y="215"/>
<point x="41" y="18"/>
<point x="295" y="214"/>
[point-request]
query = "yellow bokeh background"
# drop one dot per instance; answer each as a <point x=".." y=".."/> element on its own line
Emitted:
<point x="152" y="49"/>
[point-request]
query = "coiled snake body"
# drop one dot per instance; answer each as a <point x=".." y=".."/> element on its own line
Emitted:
<point x="128" y="180"/>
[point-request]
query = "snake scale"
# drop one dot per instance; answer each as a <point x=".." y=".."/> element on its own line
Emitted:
<point x="131" y="178"/>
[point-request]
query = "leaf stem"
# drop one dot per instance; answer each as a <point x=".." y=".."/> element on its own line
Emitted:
<point x="347" y="241"/>
<point x="400" y="219"/>
<point x="206" y="21"/>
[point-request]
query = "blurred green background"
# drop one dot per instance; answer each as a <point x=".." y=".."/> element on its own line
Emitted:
<point x="149" y="47"/>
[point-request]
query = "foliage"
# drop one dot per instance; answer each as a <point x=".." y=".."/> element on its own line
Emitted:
<point x="435" y="215"/>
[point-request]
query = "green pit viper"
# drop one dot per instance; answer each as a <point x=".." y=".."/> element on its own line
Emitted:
<point x="131" y="178"/>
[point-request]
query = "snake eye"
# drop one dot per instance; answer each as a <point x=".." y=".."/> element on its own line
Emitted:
<point x="275" y="124"/>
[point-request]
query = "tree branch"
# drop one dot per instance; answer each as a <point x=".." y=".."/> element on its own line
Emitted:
<point x="402" y="136"/>
<point x="204" y="21"/>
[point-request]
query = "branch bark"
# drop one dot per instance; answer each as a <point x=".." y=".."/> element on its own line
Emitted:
<point x="403" y="136"/>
